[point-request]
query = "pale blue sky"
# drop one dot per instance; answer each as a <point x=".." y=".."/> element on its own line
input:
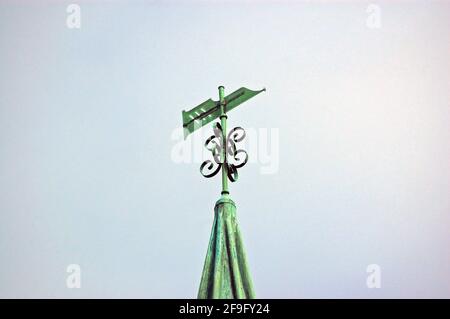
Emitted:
<point x="87" y="115"/>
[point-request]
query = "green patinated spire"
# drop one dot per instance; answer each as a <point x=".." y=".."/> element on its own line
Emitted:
<point x="225" y="272"/>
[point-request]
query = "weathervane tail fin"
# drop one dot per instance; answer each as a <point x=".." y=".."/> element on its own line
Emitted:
<point x="199" y="116"/>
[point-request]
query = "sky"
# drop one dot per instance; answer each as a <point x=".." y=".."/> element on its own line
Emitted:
<point x="349" y="146"/>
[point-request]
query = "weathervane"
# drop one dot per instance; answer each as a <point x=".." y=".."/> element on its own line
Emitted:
<point x="225" y="273"/>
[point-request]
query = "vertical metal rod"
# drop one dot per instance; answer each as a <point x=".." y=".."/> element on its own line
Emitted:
<point x="223" y="123"/>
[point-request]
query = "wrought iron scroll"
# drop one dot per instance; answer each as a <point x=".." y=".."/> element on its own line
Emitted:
<point x="234" y="158"/>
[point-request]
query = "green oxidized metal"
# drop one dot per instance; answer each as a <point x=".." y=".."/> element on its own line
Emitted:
<point x="209" y="110"/>
<point x="225" y="272"/>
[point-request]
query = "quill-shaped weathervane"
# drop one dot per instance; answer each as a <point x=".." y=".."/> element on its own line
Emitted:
<point x="226" y="155"/>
